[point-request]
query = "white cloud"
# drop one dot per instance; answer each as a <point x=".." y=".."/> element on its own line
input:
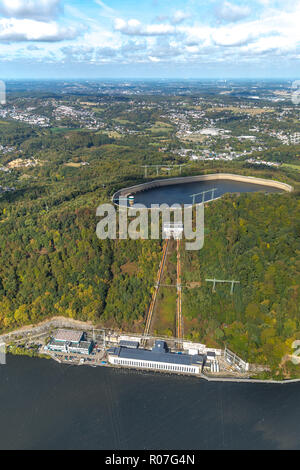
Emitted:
<point x="30" y="30"/>
<point x="34" y="9"/>
<point x="154" y="59"/>
<point x="108" y="10"/>
<point x="179" y="16"/>
<point x="275" y="29"/>
<point x="231" y="37"/>
<point x="136" y="28"/>
<point x="231" y="12"/>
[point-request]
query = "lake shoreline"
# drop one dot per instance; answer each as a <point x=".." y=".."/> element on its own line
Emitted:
<point x="161" y="183"/>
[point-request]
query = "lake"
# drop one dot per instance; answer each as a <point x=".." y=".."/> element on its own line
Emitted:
<point x="181" y="193"/>
<point x="45" y="405"/>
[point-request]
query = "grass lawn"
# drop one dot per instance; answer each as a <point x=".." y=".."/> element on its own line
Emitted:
<point x="194" y="138"/>
<point x="237" y="110"/>
<point x="122" y="121"/>
<point x="62" y="130"/>
<point x="290" y="165"/>
<point x="113" y="134"/>
<point x="73" y="165"/>
<point x="161" y="127"/>
<point x="165" y="314"/>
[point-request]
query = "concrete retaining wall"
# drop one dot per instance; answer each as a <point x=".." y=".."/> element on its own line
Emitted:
<point x="252" y="381"/>
<point x="192" y="179"/>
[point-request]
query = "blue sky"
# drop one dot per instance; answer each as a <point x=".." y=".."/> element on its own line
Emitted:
<point x="149" y="38"/>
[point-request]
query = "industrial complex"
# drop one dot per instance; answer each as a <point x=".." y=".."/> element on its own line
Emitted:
<point x="159" y="358"/>
<point x="67" y="343"/>
<point x="130" y="352"/>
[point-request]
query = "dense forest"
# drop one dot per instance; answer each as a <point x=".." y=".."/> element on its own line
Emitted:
<point x="51" y="261"/>
<point x="254" y="239"/>
<point x="55" y="265"/>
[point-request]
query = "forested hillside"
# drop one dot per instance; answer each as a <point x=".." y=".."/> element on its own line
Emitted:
<point x="254" y="239"/>
<point x="51" y="261"/>
<point x="57" y="266"/>
<point x="54" y="175"/>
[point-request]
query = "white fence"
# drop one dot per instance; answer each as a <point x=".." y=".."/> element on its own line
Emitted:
<point x="2" y="353"/>
<point x="2" y="93"/>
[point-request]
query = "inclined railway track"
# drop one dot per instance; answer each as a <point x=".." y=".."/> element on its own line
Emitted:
<point x="154" y="297"/>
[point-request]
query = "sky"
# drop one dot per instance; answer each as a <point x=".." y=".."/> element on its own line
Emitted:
<point x="190" y="39"/>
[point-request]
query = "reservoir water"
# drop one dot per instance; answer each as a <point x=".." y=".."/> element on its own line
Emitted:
<point x="45" y="405"/>
<point x="181" y="193"/>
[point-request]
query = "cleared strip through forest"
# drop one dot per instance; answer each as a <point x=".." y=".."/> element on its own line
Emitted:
<point x="154" y="297"/>
<point x="179" y="296"/>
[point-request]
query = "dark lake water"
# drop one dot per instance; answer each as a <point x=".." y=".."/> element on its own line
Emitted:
<point x="45" y="405"/>
<point x="181" y="193"/>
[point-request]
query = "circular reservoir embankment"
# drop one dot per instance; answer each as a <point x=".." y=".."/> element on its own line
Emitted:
<point x="181" y="190"/>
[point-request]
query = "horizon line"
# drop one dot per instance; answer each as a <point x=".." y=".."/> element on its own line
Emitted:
<point x="148" y="78"/>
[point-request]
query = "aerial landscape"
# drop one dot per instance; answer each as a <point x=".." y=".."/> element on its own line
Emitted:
<point x="149" y="227"/>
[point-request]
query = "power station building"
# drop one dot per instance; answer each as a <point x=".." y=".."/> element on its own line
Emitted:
<point x="159" y="358"/>
<point x="70" y="341"/>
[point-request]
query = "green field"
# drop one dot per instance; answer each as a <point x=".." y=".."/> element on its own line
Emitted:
<point x="63" y="130"/>
<point x="161" y="127"/>
<point x="165" y="315"/>
<point x="290" y="165"/>
<point x="122" y="121"/>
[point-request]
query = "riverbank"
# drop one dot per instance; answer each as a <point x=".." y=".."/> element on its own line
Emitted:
<point x="22" y="351"/>
<point x="43" y="330"/>
<point x="249" y="380"/>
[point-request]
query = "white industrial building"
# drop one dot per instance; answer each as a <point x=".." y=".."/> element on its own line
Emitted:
<point x="159" y="358"/>
<point x="70" y="341"/>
